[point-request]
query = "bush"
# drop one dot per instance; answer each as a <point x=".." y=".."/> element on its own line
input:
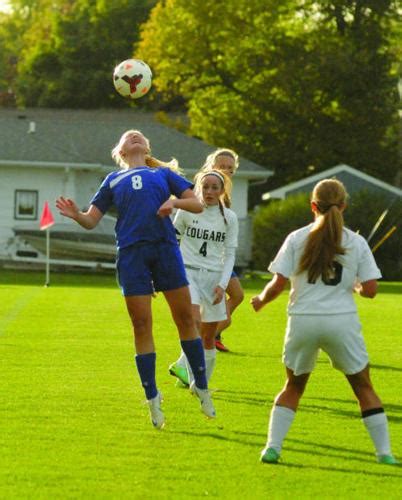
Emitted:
<point x="273" y="222"/>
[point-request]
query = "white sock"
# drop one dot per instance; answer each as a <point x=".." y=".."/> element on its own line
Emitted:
<point x="280" y="420"/>
<point x="182" y="360"/>
<point x="377" y="426"/>
<point x="210" y="360"/>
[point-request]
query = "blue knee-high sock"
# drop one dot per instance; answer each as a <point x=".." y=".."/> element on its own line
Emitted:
<point x="195" y="355"/>
<point x="146" y="369"/>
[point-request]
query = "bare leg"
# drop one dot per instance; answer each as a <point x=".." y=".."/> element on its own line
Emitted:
<point x="293" y="390"/>
<point x="139" y="310"/>
<point x="363" y="389"/>
<point x="236" y="297"/>
<point x="208" y="334"/>
<point x="180" y="305"/>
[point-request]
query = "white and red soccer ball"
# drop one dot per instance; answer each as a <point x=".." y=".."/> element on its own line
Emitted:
<point x="132" y="78"/>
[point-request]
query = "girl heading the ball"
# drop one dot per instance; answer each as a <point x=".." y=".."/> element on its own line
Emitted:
<point x="148" y="256"/>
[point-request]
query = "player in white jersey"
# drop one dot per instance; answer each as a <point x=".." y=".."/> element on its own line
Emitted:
<point x="227" y="161"/>
<point x="208" y="243"/>
<point x="148" y="257"/>
<point x="325" y="263"/>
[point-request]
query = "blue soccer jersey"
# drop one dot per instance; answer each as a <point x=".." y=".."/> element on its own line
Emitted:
<point x="137" y="194"/>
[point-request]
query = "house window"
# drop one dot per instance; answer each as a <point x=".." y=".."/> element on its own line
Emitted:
<point x="26" y="205"/>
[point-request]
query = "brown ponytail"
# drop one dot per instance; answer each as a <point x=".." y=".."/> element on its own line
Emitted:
<point x="325" y="239"/>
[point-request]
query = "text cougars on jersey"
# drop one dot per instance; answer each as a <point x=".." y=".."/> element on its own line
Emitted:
<point x="205" y="234"/>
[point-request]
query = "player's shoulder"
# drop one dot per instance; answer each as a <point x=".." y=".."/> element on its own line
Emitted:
<point x="184" y="214"/>
<point x="112" y="177"/>
<point x="301" y="233"/>
<point x="352" y="238"/>
<point x="230" y="214"/>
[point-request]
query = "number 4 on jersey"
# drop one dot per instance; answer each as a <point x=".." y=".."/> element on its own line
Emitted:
<point x="203" y="249"/>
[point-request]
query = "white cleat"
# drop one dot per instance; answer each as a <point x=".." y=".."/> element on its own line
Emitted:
<point x="157" y="416"/>
<point x="204" y="396"/>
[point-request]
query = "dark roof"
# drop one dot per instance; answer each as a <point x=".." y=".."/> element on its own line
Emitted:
<point x="87" y="137"/>
<point x="354" y="180"/>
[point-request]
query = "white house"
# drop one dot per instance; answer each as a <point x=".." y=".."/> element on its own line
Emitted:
<point x="45" y="153"/>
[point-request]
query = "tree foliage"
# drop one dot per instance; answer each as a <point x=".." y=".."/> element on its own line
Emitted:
<point x="69" y="48"/>
<point x="296" y="85"/>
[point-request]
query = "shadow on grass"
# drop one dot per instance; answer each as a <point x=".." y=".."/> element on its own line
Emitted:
<point x="219" y="437"/>
<point x="386" y="367"/>
<point x="245" y="354"/>
<point x="348" y="413"/>
<point x="391" y="407"/>
<point x="242" y="398"/>
<point x="314" y="448"/>
<point x="352" y="470"/>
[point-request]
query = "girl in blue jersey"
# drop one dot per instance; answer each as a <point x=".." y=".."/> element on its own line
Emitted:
<point x="148" y="256"/>
<point x="323" y="262"/>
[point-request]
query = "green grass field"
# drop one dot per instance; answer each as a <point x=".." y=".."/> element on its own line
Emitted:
<point x="73" y="423"/>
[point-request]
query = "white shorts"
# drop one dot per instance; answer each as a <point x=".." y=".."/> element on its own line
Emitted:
<point x="202" y="285"/>
<point x="339" y="335"/>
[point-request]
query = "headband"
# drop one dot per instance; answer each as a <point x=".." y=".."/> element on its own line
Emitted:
<point x="216" y="174"/>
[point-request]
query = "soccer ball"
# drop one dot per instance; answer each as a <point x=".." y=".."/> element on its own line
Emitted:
<point x="132" y="78"/>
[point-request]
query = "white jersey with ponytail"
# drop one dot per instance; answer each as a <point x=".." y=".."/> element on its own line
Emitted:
<point x="206" y="242"/>
<point x="336" y="295"/>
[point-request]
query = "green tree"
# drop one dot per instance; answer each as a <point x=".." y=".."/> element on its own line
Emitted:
<point x="69" y="50"/>
<point x="296" y="85"/>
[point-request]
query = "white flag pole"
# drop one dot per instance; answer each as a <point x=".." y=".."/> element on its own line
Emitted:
<point x="47" y="283"/>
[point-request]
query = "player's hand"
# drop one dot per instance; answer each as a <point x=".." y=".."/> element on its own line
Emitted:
<point x="67" y="207"/>
<point x="256" y="303"/>
<point x="357" y="287"/>
<point x="219" y="293"/>
<point x="166" y="209"/>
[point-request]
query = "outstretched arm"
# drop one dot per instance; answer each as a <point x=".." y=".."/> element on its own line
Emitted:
<point x="188" y="201"/>
<point x="69" y="208"/>
<point x="272" y="290"/>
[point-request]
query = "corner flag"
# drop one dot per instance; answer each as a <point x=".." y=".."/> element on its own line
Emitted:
<point x="46" y="219"/>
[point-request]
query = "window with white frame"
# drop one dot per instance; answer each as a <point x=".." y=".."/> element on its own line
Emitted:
<point x="26" y="204"/>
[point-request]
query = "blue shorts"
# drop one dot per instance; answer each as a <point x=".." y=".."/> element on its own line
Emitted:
<point x="233" y="275"/>
<point x="147" y="267"/>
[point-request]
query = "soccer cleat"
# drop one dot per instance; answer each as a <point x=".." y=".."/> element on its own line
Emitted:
<point x="157" y="416"/>
<point x="204" y="396"/>
<point x="179" y="372"/>
<point x="220" y="346"/>
<point x="388" y="460"/>
<point x="179" y="384"/>
<point x="269" y="456"/>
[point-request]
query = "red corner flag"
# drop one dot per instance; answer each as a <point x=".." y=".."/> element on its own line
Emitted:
<point x="46" y="219"/>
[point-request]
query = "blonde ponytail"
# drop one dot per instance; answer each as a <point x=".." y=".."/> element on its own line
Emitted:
<point x="324" y="241"/>
<point x="152" y="162"/>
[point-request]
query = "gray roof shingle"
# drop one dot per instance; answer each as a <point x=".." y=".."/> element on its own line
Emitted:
<point x="87" y="137"/>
